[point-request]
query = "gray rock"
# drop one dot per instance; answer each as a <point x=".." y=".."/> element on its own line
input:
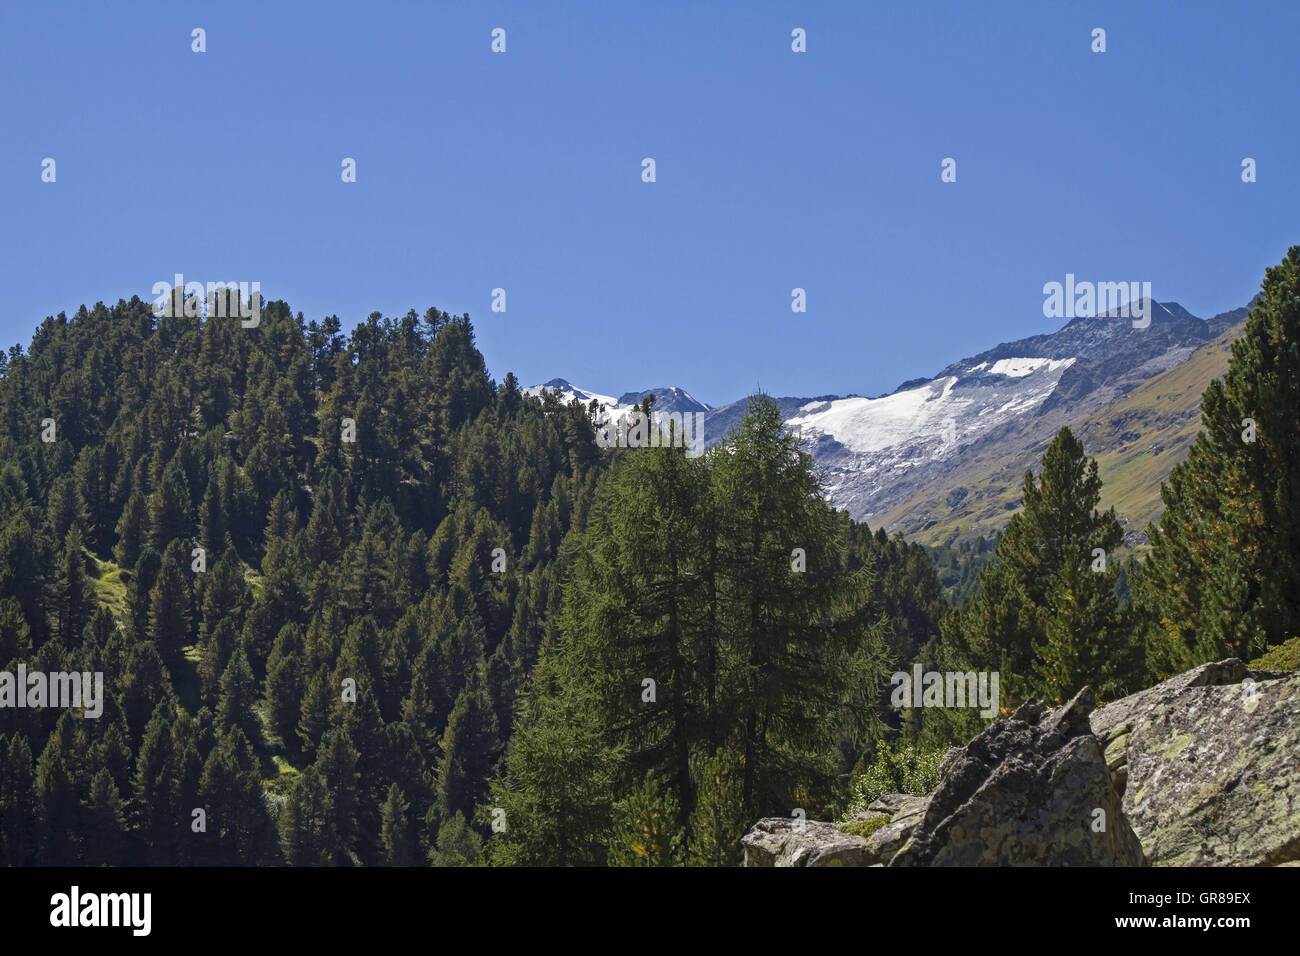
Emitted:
<point x="1025" y="793"/>
<point x="1203" y="769"/>
<point x="891" y="803"/>
<point x="1214" y="772"/>
<point x="1105" y="721"/>
<point x="779" y="841"/>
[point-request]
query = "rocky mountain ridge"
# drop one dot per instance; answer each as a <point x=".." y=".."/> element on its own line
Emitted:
<point x="941" y="459"/>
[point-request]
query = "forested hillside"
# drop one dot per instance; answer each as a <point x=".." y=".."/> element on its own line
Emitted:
<point x="321" y="560"/>
<point x="356" y="603"/>
<point x="316" y="571"/>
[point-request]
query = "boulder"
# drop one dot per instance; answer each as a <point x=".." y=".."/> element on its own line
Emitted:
<point x="1032" y="790"/>
<point x="779" y="841"/>
<point x="1202" y="769"/>
<point x="1209" y="766"/>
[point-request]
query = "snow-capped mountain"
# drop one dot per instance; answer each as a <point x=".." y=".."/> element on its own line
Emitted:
<point x="881" y="453"/>
<point x="668" y="398"/>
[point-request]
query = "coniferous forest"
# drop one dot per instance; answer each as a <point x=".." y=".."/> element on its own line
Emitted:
<point x="357" y="603"/>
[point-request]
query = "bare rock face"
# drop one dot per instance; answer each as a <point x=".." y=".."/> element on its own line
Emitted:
<point x="1203" y="769"/>
<point x="1029" y="791"/>
<point x="1208" y="765"/>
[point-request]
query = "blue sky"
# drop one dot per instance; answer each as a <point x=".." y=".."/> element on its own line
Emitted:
<point x="775" y="170"/>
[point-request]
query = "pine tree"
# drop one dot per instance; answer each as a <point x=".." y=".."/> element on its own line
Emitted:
<point x="169" y="607"/>
<point x="804" y="653"/>
<point x="284" y="696"/>
<point x="67" y="508"/>
<point x="74" y="596"/>
<point x="554" y="805"/>
<point x="18" y="809"/>
<point x="143" y="577"/>
<point x="457" y="844"/>
<point x="104" y="822"/>
<point x="1053" y="566"/>
<point x="214" y="533"/>
<point x="58" y="815"/>
<point x="1223" y="575"/>
<point x="238" y="825"/>
<point x="313" y="719"/>
<point x="336" y="765"/>
<point x="156" y="801"/>
<point x="308" y="836"/>
<point x="169" y="509"/>
<point x="468" y="751"/>
<point x="395" y="834"/>
<point x="718" y="821"/>
<point x="131" y="531"/>
<point x="238" y="698"/>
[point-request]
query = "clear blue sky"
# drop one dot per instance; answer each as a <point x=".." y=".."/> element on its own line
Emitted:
<point x="775" y="170"/>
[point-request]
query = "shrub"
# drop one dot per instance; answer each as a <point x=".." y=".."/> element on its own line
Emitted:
<point x="898" y="768"/>
<point x="1280" y="657"/>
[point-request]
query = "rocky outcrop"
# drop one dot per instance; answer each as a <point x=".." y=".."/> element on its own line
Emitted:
<point x="778" y="841"/>
<point x="1208" y="765"/>
<point x="1031" y="790"/>
<point x="1203" y="769"/>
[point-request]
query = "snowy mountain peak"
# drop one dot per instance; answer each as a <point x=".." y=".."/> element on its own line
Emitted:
<point x="668" y="398"/>
<point x="877" y="453"/>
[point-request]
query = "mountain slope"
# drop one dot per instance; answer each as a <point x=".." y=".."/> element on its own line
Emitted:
<point x="1137" y="439"/>
<point x="942" y="459"/>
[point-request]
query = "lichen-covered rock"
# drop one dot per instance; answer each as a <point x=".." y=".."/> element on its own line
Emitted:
<point x="869" y="839"/>
<point x="1203" y="769"/>
<point x="780" y="841"/>
<point x="1106" y="722"/>
<point x="905" y="814"/>
<point x="1213" y="768"/>
<point x="1032" y="790"/>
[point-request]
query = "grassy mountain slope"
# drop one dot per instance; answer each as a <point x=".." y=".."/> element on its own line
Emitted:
<point x="1137" y="439"/>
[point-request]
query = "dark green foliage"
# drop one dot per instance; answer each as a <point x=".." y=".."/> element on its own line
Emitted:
<point x="691" y="625"/>
<point x="498" y="590"/>
<point x="457" y="844"/>
<point x="317" y="568"/>
<point x="1223" y="576"/>
<point x="1047" y="617"/>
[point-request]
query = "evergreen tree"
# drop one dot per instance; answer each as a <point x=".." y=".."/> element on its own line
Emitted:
<point x="169" y="509"/>
<point x="718" y="822"/>
<point x="169" y="607"/>
<point x="58" y="813"/>
<point x="313" y="718"/>
<point x="336" y="765"/>
<point x="468" y="751"/>
<point x="18" y="808"/>
<point x="156" y="804"/>
<point x="131" y="531"/>
<point x="396" y="837"/>
<point x="235" y="711"/>
<point x="1054" y="567"/>
<point x="74" y="594"/>
<point x="457" y="844"/>
<point x="308" y="835"/>
<point x="104" y="822"/>
<point x="1223" y="575"/>
<point x="646" y="831"/>
<point x="230" y="791"/>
